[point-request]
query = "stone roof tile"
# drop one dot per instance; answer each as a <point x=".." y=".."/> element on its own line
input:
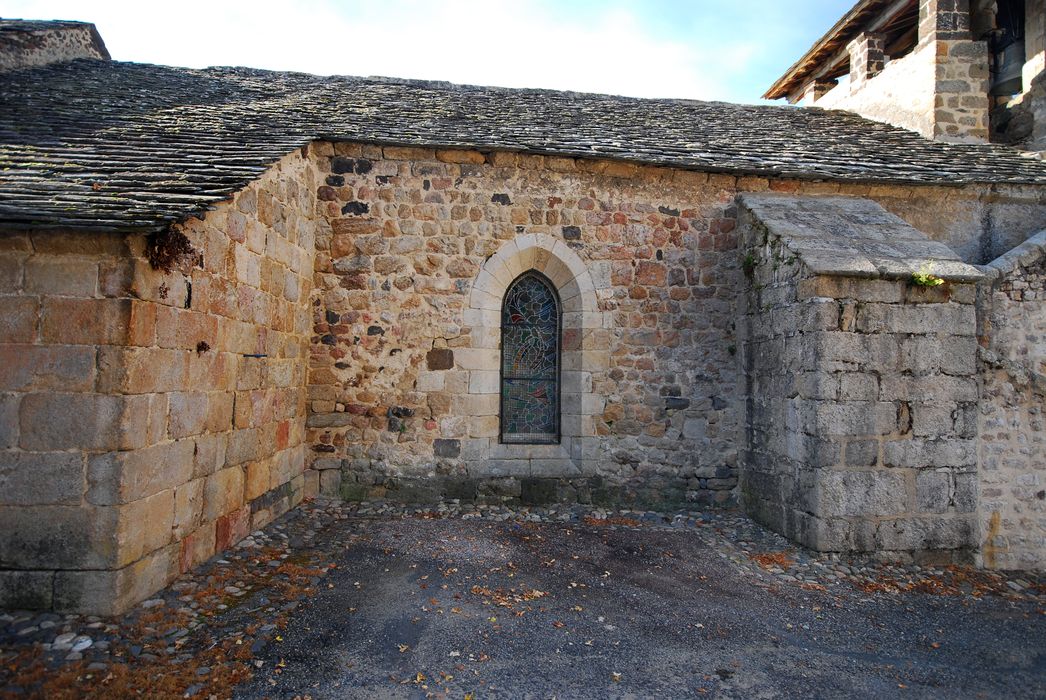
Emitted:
<point x="104" y="144"/>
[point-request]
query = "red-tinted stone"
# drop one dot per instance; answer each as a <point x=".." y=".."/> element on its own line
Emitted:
<point x="651" y="274"/>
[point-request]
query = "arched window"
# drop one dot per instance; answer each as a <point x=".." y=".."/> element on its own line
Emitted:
<point x="530" y="359"/>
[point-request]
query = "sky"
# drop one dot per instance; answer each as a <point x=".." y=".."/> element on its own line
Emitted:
<point x="695" y="49"/>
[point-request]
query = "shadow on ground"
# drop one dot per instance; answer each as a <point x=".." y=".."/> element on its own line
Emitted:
<point x="451" y="607"/>
<point x="325" y="603"/>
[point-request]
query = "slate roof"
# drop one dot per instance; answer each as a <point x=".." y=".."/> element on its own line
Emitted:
<point x="102" y="144"/>
<point x="21" y="26"/>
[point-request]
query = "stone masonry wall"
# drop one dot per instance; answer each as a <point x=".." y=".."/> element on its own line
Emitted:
<point x="1012" y="505"/>
<point x="900" y="94"/>
<point x="403" y="385"/>
<point x="861" y="431"/>
<point x="148" y="420"/>
<point x="939" y="89"/>
<point x="404" y="379"/>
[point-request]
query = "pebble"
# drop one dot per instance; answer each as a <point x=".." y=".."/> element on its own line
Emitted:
<point x="64" y="641"/>
<point x="733" y="533"/>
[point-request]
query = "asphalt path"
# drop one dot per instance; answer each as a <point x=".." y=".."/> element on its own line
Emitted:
<point x="465" y="608"/>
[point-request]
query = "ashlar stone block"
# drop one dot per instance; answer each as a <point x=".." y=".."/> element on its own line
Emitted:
<point x="124" y="477"/>
<point x="93" y="422"/>
<point x="41" y="478"/>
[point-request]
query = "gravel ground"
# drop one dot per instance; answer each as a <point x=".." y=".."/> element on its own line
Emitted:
<point x="343" y="600"/>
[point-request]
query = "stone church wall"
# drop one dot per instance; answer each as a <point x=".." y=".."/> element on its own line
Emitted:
<point x="902" y="94"/>
<point x="939" y="89"/>
<point x="422" y="243"/>
<point x="1012" y="504"/>
<point x="150" y="419"/>
<point x="404" y="384"/>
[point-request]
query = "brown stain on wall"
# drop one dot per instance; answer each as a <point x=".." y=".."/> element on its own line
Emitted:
<point x="988" y="548"/>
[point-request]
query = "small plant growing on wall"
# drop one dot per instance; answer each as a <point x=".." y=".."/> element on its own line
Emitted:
<point x="924" y="278"/>
<point x="748" y="264"/>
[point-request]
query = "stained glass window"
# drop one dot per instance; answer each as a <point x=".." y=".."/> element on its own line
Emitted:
<point x="530" y="361"/>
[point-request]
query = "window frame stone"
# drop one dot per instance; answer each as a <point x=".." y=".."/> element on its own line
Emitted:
<point x="484" y="455"/>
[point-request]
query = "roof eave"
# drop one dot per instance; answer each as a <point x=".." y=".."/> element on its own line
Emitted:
<point x="784" y="85"/>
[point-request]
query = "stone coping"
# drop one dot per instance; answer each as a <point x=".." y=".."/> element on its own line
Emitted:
<point x="853" y="237"/>
<point x="1025" y="254"/>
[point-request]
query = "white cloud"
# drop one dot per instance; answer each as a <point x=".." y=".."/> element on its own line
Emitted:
<point x="526" y="43"/>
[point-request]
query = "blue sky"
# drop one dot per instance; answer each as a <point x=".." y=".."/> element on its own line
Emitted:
<point x="701" y="49"/>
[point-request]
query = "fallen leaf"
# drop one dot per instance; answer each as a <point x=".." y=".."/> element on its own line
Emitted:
<point x="404" y="648"/>
<point x="615" y="676"/>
